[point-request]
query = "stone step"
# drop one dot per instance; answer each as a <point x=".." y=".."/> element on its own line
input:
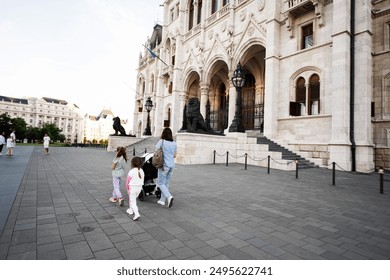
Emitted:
<point x="286" y="154"/>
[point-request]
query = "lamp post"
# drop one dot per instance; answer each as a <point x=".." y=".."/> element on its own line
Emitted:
<point x="238" y="81"/>
<point x="148" y="107"/>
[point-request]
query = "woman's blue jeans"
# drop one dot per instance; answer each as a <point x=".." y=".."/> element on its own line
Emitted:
<point x="163" y="179"/>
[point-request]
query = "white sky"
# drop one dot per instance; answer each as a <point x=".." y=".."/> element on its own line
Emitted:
<point x="83" y="51"/>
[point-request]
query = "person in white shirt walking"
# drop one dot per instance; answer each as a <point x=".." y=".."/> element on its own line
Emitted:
<point x="2" y="142"/>
<point x="46" y="142"/>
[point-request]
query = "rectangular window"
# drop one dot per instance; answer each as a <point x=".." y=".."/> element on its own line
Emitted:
<point x="215" y="6"/>
<point x="199" y="12"/>
<point x="172" y="14"/>
<point x="307" y="36"/>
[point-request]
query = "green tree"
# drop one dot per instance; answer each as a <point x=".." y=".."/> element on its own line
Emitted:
<point x="5" y="123"/>
<point x="33" y="133"/>
<point x="20" y="127"/>
<point x="53" y="131"/>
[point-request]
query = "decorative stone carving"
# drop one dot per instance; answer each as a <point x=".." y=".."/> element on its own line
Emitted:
<point x="210" y="34"/>
<point x="243" y="15"/>
<point x="223" y="26"/>
<point x="260" y="5"/>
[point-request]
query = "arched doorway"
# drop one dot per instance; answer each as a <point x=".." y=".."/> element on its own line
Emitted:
<point x="252" y="93"/>
<point x="248" y="96"/>
<point x="220" y="107"/>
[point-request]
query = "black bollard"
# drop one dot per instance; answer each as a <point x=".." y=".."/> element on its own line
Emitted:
<point x="227" y="158"/>
<point x="381" y="171"/>
<point x="133" y="151"/>
<point x="333" y="173"/>
<point x="246" y="160"/>
<point x="269" y="163"/>
<point x="214" y="156"/>
<point x="146" y="150"/>
<point x="296" y="168"/>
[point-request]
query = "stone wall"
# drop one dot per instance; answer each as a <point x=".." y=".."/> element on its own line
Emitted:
<point x="199" y="149"/>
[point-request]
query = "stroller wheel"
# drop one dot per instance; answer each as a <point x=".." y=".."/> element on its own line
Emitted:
<point x="158" y="193"/>
<point x="141" y="195"/>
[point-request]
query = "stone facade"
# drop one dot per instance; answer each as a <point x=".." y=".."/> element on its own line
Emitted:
<point x="302" y="89"/>
<point x="381" y="83"/>
<point x="37" y="111"/>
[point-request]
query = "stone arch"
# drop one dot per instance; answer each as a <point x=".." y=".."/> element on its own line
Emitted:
<point x="217" y="79"/>
<point x="192" y="84"/>
<point x="252" y="59"/>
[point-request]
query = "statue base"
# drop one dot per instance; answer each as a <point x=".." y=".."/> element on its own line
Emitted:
<point x="120" y="141"/>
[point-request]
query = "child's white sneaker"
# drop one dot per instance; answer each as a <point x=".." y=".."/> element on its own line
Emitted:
<point x="136" y="217"/>
<point x="130" y="211"/>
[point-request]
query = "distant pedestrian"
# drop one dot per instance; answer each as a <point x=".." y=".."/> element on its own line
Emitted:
<point x="164" y="174"/>
<point x="13" y="137"/>
<point x="10" y="147"/>
<point x="2" y="142"/>
<point x="117" y="172"/>
<point x="134" y="182"/>
<point x="46" y="142"/>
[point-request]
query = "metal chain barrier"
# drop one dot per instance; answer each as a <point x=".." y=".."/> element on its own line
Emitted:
<point x="381" y="171"/>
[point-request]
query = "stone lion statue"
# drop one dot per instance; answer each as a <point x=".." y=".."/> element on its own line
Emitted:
<point x="192" y="118"/>
<point x="118" y="127"/>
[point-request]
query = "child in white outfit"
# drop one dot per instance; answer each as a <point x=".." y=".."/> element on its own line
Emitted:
<point x="134" y="183"/>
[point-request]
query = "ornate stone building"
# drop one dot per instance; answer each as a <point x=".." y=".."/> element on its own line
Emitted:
<point x="37" y="111"/>
<point x="317" y="74"/>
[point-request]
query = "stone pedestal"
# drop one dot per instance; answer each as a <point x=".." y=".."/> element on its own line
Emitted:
<point x="195" y="148"/>
<point x="121" y="141"/>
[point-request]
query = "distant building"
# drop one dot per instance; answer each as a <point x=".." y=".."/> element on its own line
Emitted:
<point x="98" y="128"/>
<point x="38" y="111"/>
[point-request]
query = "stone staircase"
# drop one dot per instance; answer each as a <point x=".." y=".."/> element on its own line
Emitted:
<point x="286" y="154"/>
<point x="145" y="145"/>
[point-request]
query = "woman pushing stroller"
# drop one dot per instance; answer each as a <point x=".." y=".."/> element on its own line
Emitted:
<point x="169" y="148"/>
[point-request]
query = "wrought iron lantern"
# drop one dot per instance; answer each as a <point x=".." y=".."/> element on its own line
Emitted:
<point x="148" y="107"/>
<point x="238" y="80"/>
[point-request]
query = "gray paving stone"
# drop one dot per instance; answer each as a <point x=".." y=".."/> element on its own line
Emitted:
<point x="155" y="250"/>
<point x="293" y="219"/>
<point x="78" y="251"/>
<point x="183" y="253"/>
<point x="108" y="254"/>
<point x="207" y="252"/>
<point x="234" y="253"/>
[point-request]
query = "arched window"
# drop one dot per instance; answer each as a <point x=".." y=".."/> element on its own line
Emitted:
<point x="300" y="97"/>
<point x="298" y="107"/>
<point x="191" y="16"/>
<point x="314" y="95"/>
<point x="307" y="96"/>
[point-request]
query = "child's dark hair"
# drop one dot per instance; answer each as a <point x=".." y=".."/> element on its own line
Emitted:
<point x="136" y="163"/>
<point x="121" y="151"/>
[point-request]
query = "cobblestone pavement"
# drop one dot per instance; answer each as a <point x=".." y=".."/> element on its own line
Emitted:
<point x="219" y="212"/>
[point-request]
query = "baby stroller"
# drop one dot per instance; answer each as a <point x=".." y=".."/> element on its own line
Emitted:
<point x="150" y="171"/>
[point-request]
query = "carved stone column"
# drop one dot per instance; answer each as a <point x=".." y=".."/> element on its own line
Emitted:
<point x="204" y="96"/>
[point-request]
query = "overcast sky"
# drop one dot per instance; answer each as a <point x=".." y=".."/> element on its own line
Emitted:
<point x="83" y="51"/>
